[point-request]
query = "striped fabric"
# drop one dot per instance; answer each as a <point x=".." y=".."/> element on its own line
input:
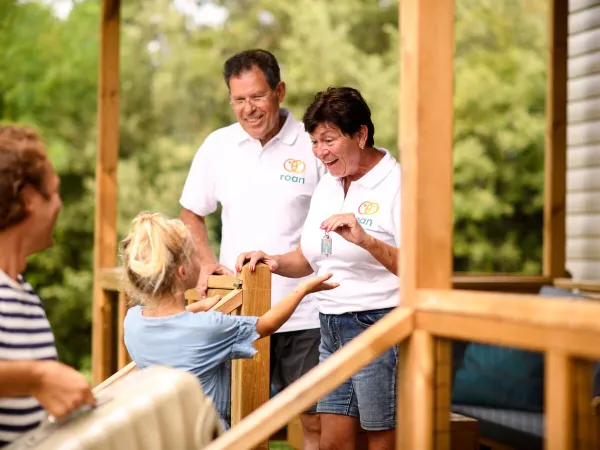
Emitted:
<point x="25" y="334"/>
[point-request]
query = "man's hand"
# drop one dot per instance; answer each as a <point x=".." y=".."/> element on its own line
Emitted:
<point x="60" y="389"/>
<point x="207" y="270"/>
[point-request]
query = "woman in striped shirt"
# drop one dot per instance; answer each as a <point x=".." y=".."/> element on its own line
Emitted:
<point x="31" y="378"/>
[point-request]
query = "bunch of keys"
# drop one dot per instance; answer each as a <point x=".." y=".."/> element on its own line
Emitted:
<point x="326" y="245"/>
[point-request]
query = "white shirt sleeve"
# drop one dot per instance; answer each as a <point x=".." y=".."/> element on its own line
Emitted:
<point x="396" y="219"/>
<point x="199" y="191"/>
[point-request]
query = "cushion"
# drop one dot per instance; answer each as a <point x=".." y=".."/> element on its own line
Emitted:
<point x="503" y="377"/>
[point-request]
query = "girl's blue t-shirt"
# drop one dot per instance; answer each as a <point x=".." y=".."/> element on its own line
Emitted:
<point x="202" y="343"/>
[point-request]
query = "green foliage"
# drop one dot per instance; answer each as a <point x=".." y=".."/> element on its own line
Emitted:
<point x="173" y="96"/>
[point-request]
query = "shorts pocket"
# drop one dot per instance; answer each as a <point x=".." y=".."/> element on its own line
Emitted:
<point x="365" y="319"/>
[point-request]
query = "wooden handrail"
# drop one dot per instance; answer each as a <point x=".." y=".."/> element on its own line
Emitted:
<point x="524" y="321"/>
<point x="500" y="282"/>
<point x="109" y="280"/>
<point x="581" y="285"/>
<point x="266" y="420"/>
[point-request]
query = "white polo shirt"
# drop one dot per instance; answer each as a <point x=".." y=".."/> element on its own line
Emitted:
<point x="265" y="196"/>
<point x="365" y="284"/>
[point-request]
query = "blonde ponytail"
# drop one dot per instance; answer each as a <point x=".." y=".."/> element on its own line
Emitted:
<point x="151" y="254"/>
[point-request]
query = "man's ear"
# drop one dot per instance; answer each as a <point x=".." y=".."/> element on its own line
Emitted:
<point x="281" y="91"/>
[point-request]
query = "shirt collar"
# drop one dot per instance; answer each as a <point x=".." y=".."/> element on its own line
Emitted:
<point x="379" y="172"/>
<point x="288" y="133"/>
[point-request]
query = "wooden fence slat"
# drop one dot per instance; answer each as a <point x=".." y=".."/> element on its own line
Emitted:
<point x="559" y="402"/>
<point x="251" y="390"/>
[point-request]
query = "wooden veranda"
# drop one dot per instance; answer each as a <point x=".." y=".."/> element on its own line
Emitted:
<point x="436" y="305"/>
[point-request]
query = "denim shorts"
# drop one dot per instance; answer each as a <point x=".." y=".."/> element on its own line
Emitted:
<point x="370" y="394"/>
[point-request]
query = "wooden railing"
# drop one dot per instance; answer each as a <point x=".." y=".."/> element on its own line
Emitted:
<point x="248" y="295"/>
<point x="566" y="331"/>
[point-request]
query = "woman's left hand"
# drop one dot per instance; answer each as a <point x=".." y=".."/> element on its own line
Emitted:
<point x="347" y="227"/>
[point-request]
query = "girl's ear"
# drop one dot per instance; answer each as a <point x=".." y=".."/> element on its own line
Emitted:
<point x="181" y="272"/>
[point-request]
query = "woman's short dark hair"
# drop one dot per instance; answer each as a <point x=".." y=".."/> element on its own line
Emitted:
<point x="244" y="61"/>
<point x="343" y="107"/>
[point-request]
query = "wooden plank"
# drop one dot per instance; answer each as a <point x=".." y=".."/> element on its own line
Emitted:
<point x="557" y="313"/>
<point x="583" y="202"/>
<point x="583" y="65"/>
<point x="583" y="269"/>
<point x="559" y="402"/>
<point x="583" y="226"/>
<point x="577" y="5"/>
<point x="464" y="432"/>
<point x="109" y="279"/>
<point x="587" y="249"/>
<point x="105" y="215"/>
<point x="586" y="42"/>
<point x="584" y="179"/>
<point x="585" y="420"/>
<point x="510" y="334"/>
<point x="555" y="148"/>
<point x="426" y="104"/>
<point x="584" y="156"/>
<point x="123" y="357"/>
<point x="362" y="350"/>
<point x="500" y="282"/>
<point x="584" y="133"/>
<point x="250" y="386"/>
<point x="584" y="110"/>
<point x="230" y="302"/>
<point x="584" y="20"/>
<point x="584" y="285"/>
<point x="446" y="434"/>
<point x="583" y="87"/>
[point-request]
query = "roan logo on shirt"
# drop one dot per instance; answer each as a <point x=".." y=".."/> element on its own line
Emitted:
<point x="367" y="209"/>
<point x="294" y="166"/>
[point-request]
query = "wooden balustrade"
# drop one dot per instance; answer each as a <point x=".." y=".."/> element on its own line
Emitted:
<point x="567" y="331"/>
<point x="249" y="295"/>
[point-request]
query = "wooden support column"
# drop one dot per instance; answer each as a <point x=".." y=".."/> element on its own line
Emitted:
<point x="425" y="143"/>
<point x="250" y="381"/>
<point x="105" y="233"/>
<point x="558" y="390"/>
<point x="555" y="151"/>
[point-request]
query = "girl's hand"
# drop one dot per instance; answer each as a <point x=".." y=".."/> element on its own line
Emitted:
<point x="316" y="284"/>
<point x="347" y="227"/>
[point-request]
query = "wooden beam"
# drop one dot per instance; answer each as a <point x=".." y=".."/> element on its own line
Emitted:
<point x="559" y="313"/>
<point x="306" y="391"/>
<point x="250" y="385"/>
<point x="555" y="151"/>
<point x="425" y="143"/>
<point x="501" y="282"/>
<point x="105" y="233"/>
<point x="559" y="401"/>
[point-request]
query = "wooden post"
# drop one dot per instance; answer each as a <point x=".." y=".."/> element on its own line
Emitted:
<point x="123" y="357"/>
<point x="559" y="402"/>
<point x="105" y="234"/>
<point x="425" y="142"/>
<point x="250" y="381"/>
<point x="555" y="151"/>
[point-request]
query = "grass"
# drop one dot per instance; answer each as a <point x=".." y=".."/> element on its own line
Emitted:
<point x="279" y="445"/>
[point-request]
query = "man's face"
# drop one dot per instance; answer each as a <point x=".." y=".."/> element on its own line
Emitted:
<point x="255" y="104"/>
<point x="42" y="211"/>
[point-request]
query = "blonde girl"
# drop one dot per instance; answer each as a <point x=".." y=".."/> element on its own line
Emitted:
<point x="160" y="263"/>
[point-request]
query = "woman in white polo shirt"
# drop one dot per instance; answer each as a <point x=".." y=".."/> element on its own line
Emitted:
<point x="353" y="231"/>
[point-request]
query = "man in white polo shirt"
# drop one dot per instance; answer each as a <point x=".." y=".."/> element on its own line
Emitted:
<point x="263" y="172"/>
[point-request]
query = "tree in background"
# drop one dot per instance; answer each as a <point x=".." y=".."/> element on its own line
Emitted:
<point x="173" y="96"/>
